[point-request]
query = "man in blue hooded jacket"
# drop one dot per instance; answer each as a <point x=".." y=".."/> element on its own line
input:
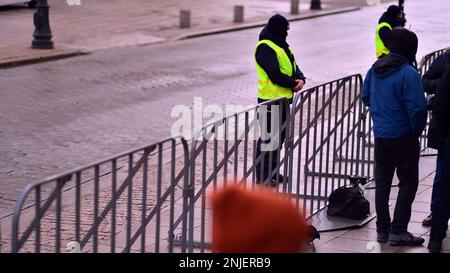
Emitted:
<point x="393" y="91"/>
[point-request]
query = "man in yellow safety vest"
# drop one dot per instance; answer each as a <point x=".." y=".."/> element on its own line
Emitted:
<point x="278" y="77"/>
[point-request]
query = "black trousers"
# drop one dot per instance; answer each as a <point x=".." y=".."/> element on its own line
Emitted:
<point x="401" y="155"/>
<point x="270" y="158"/>
<point x="441" y="210"/>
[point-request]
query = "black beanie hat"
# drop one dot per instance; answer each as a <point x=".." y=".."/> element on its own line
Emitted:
<point x="403" y="42"/>
<point x="393" y="11"/>
<point x="278" y="25"/>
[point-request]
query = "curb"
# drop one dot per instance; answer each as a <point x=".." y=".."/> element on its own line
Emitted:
<point x="67" y="54"/>
<point x="39" y="59"/>
<point x="262" y="23"/>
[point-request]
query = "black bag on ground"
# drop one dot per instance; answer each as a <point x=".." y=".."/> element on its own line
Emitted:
<point x="348" y="202"/>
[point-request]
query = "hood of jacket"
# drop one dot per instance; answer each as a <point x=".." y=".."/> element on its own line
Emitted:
<point x="388" y="64"/>
<point x="390" y="16"/>
<point x="276" y="31"/>
<point x="403" y="42"/>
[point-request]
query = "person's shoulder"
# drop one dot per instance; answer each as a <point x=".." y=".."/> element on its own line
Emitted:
<point x="409" y="70"/>
<point x="262" y="47"/>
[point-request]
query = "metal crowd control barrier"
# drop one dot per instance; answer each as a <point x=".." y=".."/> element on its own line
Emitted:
<point x="331" y="138"/>
<point x="424" y="65"/>
<point x="225" y="152"/>
<point x="127" y="203"/>
<point x="428" y="59"/>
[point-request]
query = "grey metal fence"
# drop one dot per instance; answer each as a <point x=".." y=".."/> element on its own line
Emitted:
<point x="127" y="203"/>
<point x="331" y="139"/>
<point x="428" y="59"/>
<point x="225" y="152"/>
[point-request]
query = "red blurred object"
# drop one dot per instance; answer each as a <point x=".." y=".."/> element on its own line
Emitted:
<point x="256" y="221"/>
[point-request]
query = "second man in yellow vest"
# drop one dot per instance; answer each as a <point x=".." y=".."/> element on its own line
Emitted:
<point x="393" y="17"/>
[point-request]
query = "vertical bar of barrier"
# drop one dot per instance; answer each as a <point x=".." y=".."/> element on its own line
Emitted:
<point x="158" y="198"/>
<point x="77" y="206"/>
<point x="236" y="146"/>
<point x="287" y="185"/>
<point x="190" y="191"/>
<point x="371" y="144"/>
<point x="352" y="150"/>
<point x="327" y="162"/>
<point x="299" y="156"/>
<point x="347" y="131"/>
<point x="290" y="139"/>
<point x="225" y="152"/>
<point x="203" y="204"/>
<point x="255" y="137"/>
<point x="264" y="122"/>
<point x="308" y="118"/>
<point x="279" y="131"/>
<point x="129" y="201"/>
<point x="216" y="148"/>
<point x="38" y="225"/>
<point x="144" y="199"/>
<point x="322" y="128"/>
<point x="313" y="175"/>
<point x="270" y="152"/>
<point x="172" y="194"/>
<point x="246" y="133"/>
<point x="359" y="160"/>
<point x="363" y="136"/>
<point x="59" y="185"/>
<point x="113" y="210"/>
<point x="96" y="201"/>
<point x="341" y="138"/>
<point x="335" y="156"/>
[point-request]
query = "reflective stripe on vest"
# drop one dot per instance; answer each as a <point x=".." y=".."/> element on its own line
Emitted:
<point x="266" y="88"/>
<point x="381" y="48"/>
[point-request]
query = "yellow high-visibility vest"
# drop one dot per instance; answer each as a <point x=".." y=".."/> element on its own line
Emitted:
<point x="381" y="47"/>
<point x="267" y="90"/>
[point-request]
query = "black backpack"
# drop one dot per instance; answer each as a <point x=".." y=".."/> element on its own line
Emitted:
<point x="348" y="202"/>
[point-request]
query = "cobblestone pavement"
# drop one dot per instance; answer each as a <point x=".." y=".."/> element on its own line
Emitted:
<point x="55" y="116"/>
<point x="100" y="24"/>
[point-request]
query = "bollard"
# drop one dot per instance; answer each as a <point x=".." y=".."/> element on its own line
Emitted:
<point x="185" y="18"/>
<point x="238" y="14"/>
<point x="315" y="4"/>
<point x="294" y="6"/>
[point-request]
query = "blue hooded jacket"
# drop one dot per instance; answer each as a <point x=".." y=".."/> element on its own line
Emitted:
<point x="393" y="91"/>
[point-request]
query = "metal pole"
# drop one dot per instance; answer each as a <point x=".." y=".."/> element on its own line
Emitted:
<point x="42" y="33"/>
<point x="315" y="4"/>
<point x="401" y="4"/>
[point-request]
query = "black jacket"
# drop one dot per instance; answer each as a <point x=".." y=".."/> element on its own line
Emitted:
<point x="440" y="123"/>
<point x="431" y="78"/>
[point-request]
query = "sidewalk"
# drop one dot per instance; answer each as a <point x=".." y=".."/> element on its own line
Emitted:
<point x="362" y="240"/>
<point x="100" y="24"/>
